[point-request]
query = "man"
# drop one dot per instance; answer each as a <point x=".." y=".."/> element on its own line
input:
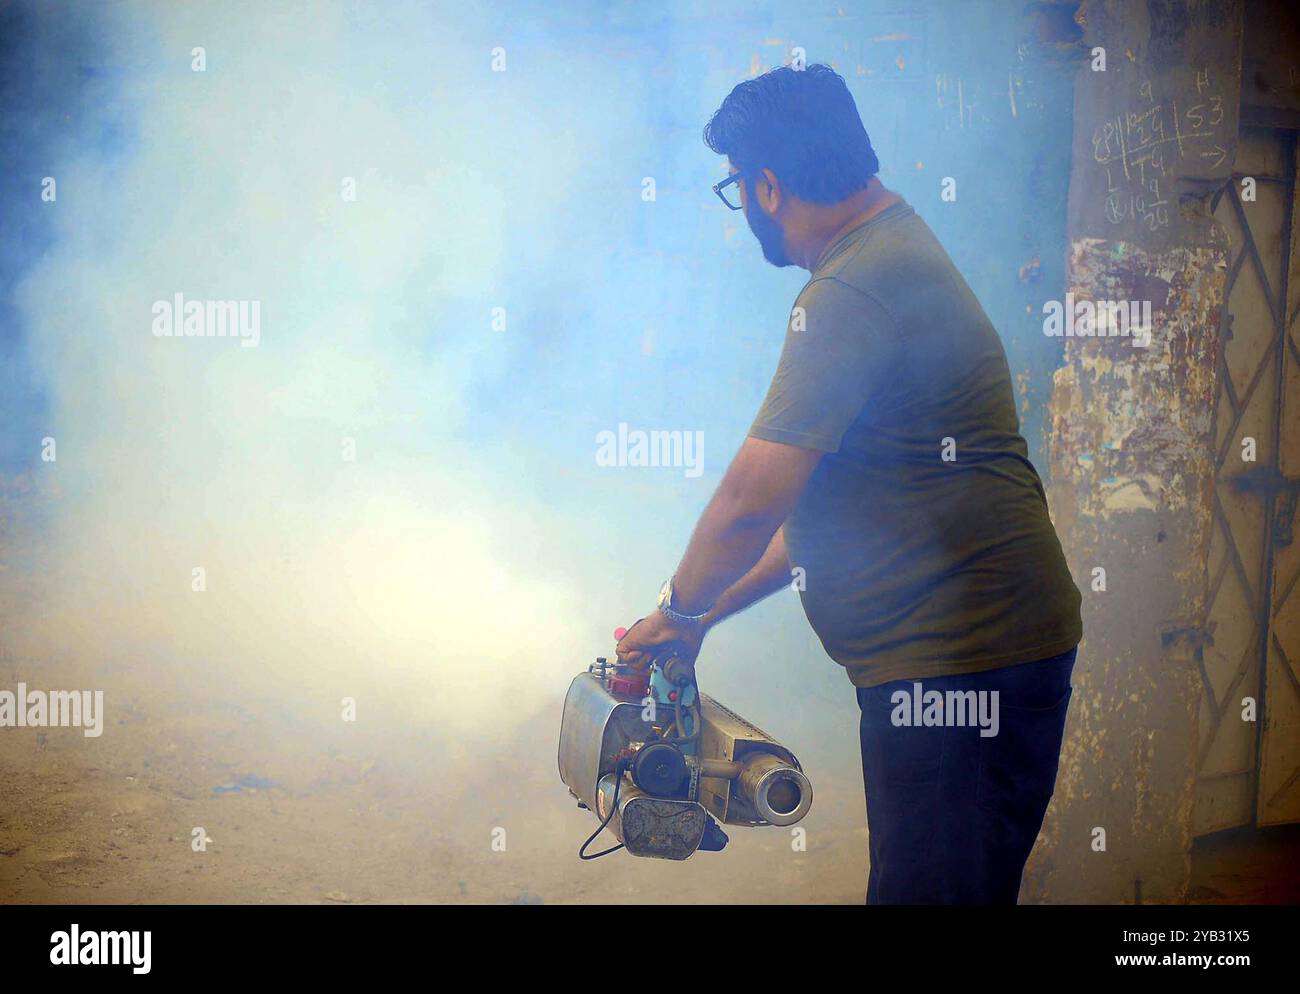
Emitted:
<point x="887" y="463"/>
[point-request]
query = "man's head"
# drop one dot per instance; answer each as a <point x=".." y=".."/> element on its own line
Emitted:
<point x="796" y="138"/>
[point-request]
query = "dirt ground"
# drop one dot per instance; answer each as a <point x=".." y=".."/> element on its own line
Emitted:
<point x="299" y="814"/>
<point x="296" y="813"/>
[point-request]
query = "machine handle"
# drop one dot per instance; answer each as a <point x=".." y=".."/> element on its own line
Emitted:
<point x="677" y="675"/>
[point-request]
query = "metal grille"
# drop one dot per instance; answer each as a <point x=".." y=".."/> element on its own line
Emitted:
<point x="1248" y="771"/>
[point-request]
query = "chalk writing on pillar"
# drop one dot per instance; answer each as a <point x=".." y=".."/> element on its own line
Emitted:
<point x="1141" y="147"/>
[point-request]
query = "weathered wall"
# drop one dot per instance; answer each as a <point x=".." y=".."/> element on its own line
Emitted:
<point x="1130" y="448"/>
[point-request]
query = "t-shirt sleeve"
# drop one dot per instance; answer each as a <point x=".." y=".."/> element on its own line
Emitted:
<point x="830" y="368"/>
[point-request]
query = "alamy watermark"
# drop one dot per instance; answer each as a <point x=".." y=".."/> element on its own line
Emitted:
<point x="920" y="708"/>
<point x="181" y="318"/>
<point x="1099" y="319"/>
<point x="634" y="447"/>
<point x="56" y="709"/>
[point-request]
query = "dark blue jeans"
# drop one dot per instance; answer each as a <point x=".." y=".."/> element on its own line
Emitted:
<point x="953" y="813"/>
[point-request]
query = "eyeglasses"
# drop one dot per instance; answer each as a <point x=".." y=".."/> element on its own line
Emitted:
<point x="720" y="188"/>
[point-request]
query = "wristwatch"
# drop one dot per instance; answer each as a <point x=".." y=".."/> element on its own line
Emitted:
<point x="676" y="617"/>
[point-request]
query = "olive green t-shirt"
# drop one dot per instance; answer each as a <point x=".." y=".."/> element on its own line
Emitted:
<point x="923" y="533"/>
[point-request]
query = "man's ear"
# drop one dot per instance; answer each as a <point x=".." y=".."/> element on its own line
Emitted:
<point x="767" y="188"/>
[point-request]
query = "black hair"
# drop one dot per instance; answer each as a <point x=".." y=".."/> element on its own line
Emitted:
<point x="803" y="125"/>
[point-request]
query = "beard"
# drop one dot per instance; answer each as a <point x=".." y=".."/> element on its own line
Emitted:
<point x="771" y="239"/>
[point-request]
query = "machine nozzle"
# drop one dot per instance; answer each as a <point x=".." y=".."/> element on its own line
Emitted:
<point x="779" y="792"/>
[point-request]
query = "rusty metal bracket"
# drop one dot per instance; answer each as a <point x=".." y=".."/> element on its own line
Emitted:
<point x="1268" y="482"/>
<point x="1197" y="637"/>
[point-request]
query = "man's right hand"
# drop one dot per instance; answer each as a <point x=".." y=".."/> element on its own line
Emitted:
<point x="654" y="634"/>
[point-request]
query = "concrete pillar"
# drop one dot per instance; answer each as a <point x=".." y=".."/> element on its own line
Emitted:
<point x="1131" y="465"/>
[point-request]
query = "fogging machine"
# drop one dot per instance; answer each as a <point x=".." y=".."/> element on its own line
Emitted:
<point x="661" y="765"/>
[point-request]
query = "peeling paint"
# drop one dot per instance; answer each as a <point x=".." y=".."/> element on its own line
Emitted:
<point x="1113" y="401"/>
